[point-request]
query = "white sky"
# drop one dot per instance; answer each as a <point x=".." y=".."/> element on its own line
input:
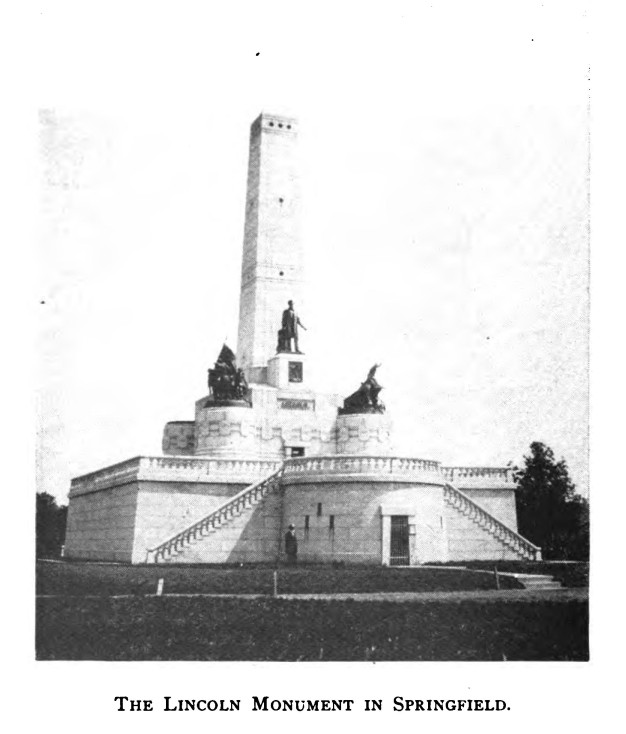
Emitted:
<point x="444" y="162"/>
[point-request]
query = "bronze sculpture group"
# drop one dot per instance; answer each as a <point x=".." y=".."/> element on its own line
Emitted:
<point x="227" y="382"/>
<point x="365" y="399"/>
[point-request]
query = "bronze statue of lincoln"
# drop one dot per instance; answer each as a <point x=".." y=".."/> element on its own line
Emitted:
<point x="289" y="330"/>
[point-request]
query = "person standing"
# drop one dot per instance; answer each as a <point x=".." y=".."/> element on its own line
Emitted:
<point x="291" y="545"/>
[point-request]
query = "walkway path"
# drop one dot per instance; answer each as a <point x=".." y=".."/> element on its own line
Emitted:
<point x="451" y="596"/>
<point x="523" y="595"/>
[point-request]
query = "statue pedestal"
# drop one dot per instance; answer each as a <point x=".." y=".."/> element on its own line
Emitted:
<point x="288" y="371"/>
<point x="227" y="433"/>
<point x="364" y="434"/>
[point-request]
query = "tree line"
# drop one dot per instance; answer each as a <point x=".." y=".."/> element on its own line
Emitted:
<point x="50" y="530"/>
<point x="549" y="511"/>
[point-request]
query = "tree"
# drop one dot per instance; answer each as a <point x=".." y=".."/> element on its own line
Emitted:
<point x="51" y="519"/>
<point x="549" y="512"/>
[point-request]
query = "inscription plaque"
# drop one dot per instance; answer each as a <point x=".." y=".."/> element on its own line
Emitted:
<point x="295" y="404"/>
<point x="295" y="371"/>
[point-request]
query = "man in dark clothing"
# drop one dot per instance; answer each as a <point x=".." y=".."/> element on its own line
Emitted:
<point x="291" y="545"/>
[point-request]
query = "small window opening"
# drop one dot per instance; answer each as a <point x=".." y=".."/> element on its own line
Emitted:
<point x="306" y="526"/>
<point x="319" y="509"/>
<point x="288" y="127"/>
<point x="280" y="124"/>
<point x="331" y="522"/>
<point x="280" y="200"/>
<point x="281" y="273"/>
<point x="271" y="124"/>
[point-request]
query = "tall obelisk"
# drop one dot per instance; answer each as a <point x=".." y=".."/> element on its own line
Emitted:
<point x="272" y="266"/>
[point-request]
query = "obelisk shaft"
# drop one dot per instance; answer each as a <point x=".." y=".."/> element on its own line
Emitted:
<point x="272" y="267"/>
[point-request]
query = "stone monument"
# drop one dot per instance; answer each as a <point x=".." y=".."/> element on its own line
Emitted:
<point x="268" y="450"/>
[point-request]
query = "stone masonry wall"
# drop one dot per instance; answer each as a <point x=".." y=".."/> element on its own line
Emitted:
<point x="498" y="502"/>
<point x="101" y="525"/>
<point x="467" y="540"/>
<point x="252" y="537"/>
<point x="165" y="508"/>
<point x="356" y="534"/>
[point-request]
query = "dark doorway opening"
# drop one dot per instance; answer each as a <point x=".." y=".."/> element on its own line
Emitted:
<point x="399" y="552"/>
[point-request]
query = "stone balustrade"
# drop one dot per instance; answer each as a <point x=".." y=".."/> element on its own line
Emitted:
<point x="484" y="477"/>
<point x="204" y="470"/>
<point x="111" y="476"/>
<point x="173" y="469"/>
<point x="348" y="467"/>
<point x="358" y="468"/>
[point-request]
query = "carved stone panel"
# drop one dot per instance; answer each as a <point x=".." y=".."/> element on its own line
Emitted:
<point x="295" y="372"/>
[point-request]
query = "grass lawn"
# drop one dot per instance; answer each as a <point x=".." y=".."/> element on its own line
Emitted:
<point x="106" y="580"/>
<point x="162" y="628"/>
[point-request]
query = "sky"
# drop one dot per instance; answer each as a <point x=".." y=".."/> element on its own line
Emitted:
<point x="445" y="219"/>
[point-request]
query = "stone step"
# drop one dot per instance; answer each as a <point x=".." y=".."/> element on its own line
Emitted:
<point x="537" y="581"/>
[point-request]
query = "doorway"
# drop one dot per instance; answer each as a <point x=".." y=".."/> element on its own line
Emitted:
<point x="399" y="554"/>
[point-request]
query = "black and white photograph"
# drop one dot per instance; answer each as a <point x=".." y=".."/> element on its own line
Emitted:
<point x="312" y="360"/>
<point x="395" y="407"/>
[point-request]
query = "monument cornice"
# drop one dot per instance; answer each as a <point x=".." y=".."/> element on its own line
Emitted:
<point x="174" y="469"/>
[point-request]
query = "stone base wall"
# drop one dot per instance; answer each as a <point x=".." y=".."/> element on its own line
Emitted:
<point x="360" y="511"/>
<point x="499" y="502"/>
<point x="468" y="541"/>
<point x="166" y="508"/>
<point x="227" y="432"/>
<point x="342" y="507"/>
<point x="278" y="420"/>
<point x="179" y="438"/>
<point x="365" y="434"/>
<point x="101" y="525"/>
<point x="253" y="537"/>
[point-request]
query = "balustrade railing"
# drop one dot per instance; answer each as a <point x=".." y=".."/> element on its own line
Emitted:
<point x="478" y="473"/>
<point x="226" y="511"/>
<point x="198" y="469"/>
<point x="467" y="506"/>
<point x="175" y="468"/>
<point x="356" y="464"/>
<point x="114" y="474"/>
<point x="181" y="468"/>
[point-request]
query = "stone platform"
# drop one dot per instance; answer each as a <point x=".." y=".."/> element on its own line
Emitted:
<point x="341" y="506"/>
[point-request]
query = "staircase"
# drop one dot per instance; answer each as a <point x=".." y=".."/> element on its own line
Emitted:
<point x="536" y="581"/>
<point x="508" y="538"/>
<point x="234" y="507"/>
